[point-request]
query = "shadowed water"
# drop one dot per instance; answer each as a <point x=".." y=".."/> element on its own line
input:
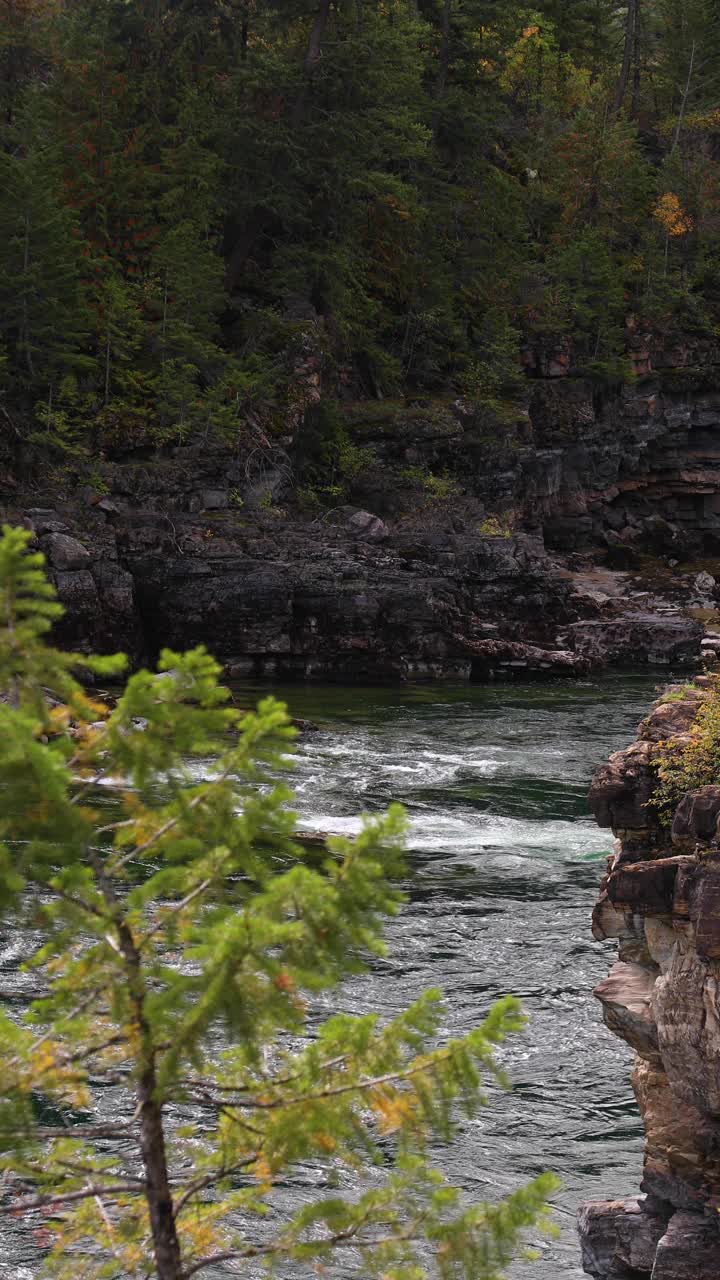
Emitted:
<point x="504" y="862"/>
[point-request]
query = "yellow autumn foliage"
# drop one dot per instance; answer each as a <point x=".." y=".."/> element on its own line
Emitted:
<point x="669" y="213"/>
<point x="392" y="1109"/>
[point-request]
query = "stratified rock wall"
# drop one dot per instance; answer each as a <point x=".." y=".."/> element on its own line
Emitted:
<point x="661" y="900"/>
<point x="467" y="544"/>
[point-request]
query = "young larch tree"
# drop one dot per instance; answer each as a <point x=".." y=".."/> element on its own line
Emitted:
<point x="170" y="1074"/>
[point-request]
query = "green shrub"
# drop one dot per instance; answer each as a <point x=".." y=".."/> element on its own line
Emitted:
<point x="437" y="487"/>
<point x="688" y="765"/>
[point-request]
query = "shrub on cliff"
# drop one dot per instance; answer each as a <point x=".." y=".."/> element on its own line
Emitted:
<point x="692" y="762"/>
<point x="169" y="1077"/>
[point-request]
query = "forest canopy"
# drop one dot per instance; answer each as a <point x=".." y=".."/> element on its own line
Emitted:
<point x="200" y="200"/>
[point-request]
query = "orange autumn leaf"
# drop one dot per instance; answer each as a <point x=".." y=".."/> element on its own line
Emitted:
<point x="284" y="981"/>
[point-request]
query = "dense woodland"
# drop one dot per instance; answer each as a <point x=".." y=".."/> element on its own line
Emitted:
<point x="201" y="200"/>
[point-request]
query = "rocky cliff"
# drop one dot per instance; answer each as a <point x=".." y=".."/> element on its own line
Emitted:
<point x="463" y="541"/>
<point x="661" y="900"/>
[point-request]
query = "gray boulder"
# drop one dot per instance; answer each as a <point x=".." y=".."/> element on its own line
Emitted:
<point x="65" y="553"/>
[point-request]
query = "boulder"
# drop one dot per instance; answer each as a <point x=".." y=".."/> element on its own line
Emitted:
<point x="619" y="1235"/>
<point x="78" y="592"/>
<point x="367" y="526"/>
<point x="65" y="553"/>
<point x="705" y="586"/>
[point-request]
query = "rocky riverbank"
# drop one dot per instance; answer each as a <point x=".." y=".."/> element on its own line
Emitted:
<point x="661" y="900"/>
<point x="574" y="531"/>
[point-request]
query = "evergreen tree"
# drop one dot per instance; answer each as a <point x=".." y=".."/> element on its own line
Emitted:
<point x="183" y="937"/>
<point x="44" y="312"/>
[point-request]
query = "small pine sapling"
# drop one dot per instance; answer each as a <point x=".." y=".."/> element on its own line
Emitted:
<point x="169" y="1077"/>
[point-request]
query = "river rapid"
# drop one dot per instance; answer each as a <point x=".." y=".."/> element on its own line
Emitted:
<point x="503" y="866"/>
<point x="504" y="862"/>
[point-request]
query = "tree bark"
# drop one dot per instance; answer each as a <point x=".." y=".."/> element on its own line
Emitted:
<point x="444" y="66"/>
<point x="25" y="327"/>
<point x="628" y="43"/>
<point x="683" y="101"/>
<point x="312" y="59"/>
<point x="635" y="99"/>
<point x="166" y="1244"/>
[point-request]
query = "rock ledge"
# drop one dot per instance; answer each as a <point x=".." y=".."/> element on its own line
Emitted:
<point x="660" y="899"/>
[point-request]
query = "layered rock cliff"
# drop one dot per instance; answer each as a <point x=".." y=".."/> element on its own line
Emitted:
<point x="661" y="900"/>
<point x="465" y="542"/>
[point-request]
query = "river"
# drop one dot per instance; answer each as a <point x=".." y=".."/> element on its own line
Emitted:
<point x="504" y="863"/>
<point x="503" y="866"/>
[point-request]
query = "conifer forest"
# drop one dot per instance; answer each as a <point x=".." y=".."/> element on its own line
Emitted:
<point x="195" y="194"/>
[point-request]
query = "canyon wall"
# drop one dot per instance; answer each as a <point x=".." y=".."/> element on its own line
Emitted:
<point x="467" y="541"/>
<point x="661" y="900"/>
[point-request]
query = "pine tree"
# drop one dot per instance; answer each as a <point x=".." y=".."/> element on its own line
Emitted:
<point x="44" y="314"/>
<point x="184" y="936"/>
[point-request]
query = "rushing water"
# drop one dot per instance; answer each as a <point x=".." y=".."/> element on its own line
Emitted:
<point x="503" y="871"/>
<point x="503" y="867"/>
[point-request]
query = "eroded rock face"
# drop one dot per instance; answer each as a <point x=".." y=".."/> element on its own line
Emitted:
<point x="620" y="1236"/>
<point x="696" y="818"/>
<point x="96" y="590"/>
<point x="649" y="638"/>
<point x="466" y="546"/>
<point x="669" y="719"/>
<point x="681" y="1163"/>
<point x="689" y="1250"/>
<point x="625" y="996"/>
<point x="663" y="998"/>
<point x="620" y="794"/>
<point x="687" y="1012"/>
